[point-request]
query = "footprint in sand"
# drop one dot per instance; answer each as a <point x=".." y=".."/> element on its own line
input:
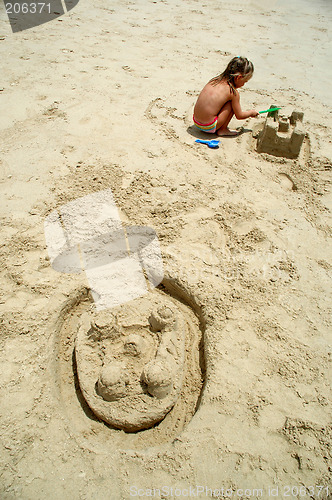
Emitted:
<point x="287" y="182"/>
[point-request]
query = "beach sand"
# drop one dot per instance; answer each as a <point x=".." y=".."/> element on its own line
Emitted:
<point x="102" y="98"/>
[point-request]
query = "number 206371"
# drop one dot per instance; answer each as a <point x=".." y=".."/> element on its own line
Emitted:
<point x="302" y="491"/>
<point x="28" y="8"/>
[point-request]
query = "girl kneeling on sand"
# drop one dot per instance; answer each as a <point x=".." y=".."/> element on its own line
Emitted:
<point x="220" y="100"/>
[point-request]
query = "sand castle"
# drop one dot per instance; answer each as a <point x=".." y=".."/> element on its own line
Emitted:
<point x="282" y="135"/>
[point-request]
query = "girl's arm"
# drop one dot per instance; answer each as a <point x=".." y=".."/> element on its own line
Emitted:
<point x="241" y="115"/>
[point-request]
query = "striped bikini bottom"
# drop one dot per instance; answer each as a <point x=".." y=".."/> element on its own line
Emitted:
<point x="210" y="128"/>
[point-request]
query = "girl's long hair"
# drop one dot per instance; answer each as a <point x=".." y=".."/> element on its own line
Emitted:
<point x="237" y="66"/>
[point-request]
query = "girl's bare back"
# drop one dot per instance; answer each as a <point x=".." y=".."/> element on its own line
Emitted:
<point x="211" y="100"/>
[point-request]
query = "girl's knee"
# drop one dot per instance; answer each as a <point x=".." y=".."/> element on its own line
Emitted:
<point x="226" y="109"/>
<point x="228" y="106"/>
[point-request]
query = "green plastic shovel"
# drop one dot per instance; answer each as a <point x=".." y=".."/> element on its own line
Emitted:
<point x="268" y="110"/>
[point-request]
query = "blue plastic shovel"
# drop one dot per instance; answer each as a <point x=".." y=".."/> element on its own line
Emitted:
<point x="213" y="143"/>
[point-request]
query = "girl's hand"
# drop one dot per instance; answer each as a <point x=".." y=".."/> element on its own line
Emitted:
<point x="254" y="113"/>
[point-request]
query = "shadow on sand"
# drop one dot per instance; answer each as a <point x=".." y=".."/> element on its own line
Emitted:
<point x="193" y="131"/>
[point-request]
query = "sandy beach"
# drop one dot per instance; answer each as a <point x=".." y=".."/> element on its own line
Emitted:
<point x="102" y="98"/>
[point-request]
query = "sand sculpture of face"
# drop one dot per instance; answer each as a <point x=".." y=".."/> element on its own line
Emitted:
<point x="130" y="364"/>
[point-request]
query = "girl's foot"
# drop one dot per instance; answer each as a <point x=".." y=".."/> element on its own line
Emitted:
<point x="227" y="132"/>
